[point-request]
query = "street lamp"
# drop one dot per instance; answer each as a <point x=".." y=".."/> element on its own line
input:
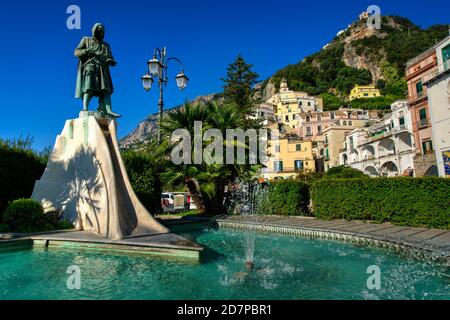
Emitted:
<point x="157" y="69"/>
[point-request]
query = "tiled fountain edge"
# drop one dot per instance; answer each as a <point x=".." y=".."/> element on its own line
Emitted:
<point x="414" y="249"/>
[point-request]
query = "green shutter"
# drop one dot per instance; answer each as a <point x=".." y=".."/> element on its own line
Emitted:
<point x="446" y="53"/>
<point x="419" y="87"/>
<point x="423" y="114"/>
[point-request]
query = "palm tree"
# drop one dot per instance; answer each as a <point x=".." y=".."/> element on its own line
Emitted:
<point x="205" y="182"/>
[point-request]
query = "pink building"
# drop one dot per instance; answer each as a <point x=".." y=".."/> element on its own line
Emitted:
<point x="417" y="70"/>
<point x="312" y="124"/>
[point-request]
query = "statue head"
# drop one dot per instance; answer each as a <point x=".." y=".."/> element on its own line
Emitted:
<point x="98" y="31"/>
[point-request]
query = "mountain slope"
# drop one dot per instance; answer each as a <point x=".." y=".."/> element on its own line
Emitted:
<point x="148" y="128"/>
<point x="361" y="55"/>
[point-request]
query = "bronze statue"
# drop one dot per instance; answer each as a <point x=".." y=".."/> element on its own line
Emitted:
<point x="94" y="79"/>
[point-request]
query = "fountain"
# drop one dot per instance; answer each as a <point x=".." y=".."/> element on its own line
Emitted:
<point x="245" y="199"/>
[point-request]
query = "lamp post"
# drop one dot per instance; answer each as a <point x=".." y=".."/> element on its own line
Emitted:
<point x="157" y="70"/>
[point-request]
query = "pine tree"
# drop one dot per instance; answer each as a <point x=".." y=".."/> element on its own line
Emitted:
<point x="239" y="85"/>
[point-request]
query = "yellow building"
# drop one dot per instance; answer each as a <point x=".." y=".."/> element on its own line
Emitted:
<point x="290" y="104"/>
<point x="288" y="156"/>
<point x="364" y="92"/>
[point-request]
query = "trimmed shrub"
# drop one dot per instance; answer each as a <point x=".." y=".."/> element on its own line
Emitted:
<point x="402" y="201"/>
<point x="20" y="167"/>
<point x="143" y="173"/>
<point x="344" y="172"/>
<point x="26" y="215"/>
<point x="286" y="198"/>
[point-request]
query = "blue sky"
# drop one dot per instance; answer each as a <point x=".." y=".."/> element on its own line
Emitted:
<point x="38" y="69"/>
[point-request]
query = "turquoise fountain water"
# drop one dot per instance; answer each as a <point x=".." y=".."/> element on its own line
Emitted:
<point x="286" y="268"/>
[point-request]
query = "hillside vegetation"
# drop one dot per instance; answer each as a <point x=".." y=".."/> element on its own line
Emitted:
<point x="362" y="56"/>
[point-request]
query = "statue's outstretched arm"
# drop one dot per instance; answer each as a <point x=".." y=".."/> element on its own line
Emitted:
<point x="81" y="51"/>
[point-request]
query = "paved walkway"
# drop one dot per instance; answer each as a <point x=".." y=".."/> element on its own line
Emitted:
<point x="433" y="240"/>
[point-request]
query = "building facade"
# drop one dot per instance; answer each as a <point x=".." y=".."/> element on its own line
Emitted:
<point x="438" y="87"/>
<point x="289" y="155"/>
<point x="312" y="125"/>
<point x="417" y="70"/>
<point x="384" y="149"/>
<point x="332" y="144"/>
<point x="289" y="104"/>
<point x="364" y="92"/>
<point x="264" y="113"/>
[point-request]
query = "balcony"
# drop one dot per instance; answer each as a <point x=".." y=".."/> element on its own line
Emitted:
<point x="423" y="123"/>
<point x="417" y="96"/>
<point x="440" y="69"/>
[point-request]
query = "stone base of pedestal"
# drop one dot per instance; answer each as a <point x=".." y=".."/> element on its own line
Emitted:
<point x="86" y="179"/>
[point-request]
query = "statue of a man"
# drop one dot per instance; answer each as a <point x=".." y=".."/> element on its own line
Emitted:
<point x="94" y="79"/>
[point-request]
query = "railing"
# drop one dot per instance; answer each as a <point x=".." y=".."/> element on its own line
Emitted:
<point x="441" y="68"/>
<point x="423" y="123"/>
<point x="418" y="96"/>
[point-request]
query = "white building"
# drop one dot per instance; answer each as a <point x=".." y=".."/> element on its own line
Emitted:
<point x="384" y="149"/>
<point x="438" y="86"/>
<point x="264" y="113"/>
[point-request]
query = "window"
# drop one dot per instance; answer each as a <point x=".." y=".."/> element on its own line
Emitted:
<point x="351" y="143"/>
<point x="319" y="117"/>
<point x="332" y="115"/>
<point x="298" y="147"/>
<point x="287" y="118"/>
<point x="446" y="54"/>
<point x="308" y="131"/>
<point x="300" y="103"/>
<point x="309" y="104"/>
<point x="401" y="121"/>
<point x="308" y="119"/>
<point x="278" y="166"/>
<point x="344" y="123"/>
<point x="327" y="154"/>
<point x="419" y="88"/>
<point x="427" y="146"/>
<point x="366" y="94"/>
<point x="350" y="123"/>
<point x="319" y="129"/>
<point x="298" y="165"/>
<point x="423" y="117"/>
<point x="277" y="148"/>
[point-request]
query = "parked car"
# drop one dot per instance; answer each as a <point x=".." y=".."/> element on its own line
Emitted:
<point x="175" y="202"/>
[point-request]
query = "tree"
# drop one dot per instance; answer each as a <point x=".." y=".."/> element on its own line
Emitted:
<point x="144" y="173"/>
<point x="239" y="85"/>
<point x="205" y="182"/>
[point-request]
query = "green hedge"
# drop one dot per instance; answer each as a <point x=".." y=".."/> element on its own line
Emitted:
<point x="20" y="167"/>
<point x="403" y="201"/>
<point x="26" y="215"/>
<point x="286" y="198"/>
<point x="144" y="178"/>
